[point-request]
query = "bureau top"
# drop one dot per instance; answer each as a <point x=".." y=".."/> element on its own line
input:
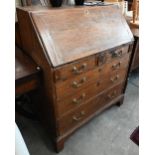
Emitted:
<point x="70" y="34"/>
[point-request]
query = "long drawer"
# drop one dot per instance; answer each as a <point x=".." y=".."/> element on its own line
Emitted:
<point x="104" y="76"/>
<point x="77" y="116"/>
<point x="113" y="79"/>
<point x="74" y="69"/>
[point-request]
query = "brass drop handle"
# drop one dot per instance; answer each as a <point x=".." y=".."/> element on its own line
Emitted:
<point x="77" y="85"/>
<point x="117" y="53"/>
<point x="75" y="118"/>
<point x="115" y="78"/>
<point x="117" y="65"/>
<point x="80" y="70"/>
<point x="110" y="96"/>
<point x="77" y="101"/>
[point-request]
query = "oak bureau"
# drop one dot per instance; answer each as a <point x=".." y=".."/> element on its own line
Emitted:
<point x="84" y="54"/>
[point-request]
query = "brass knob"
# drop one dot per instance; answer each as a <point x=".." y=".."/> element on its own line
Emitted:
<point x="117" y="53"/>
<point x="80" y="70"/>
<point x="77" y="101"/>
<point x="110" y="96"/>
<point x="76" y="118"/>
<point x="84" y="65"/>
<point x="38" y="68"/>
<point x="115" y="78"/>
<point x="116" y="66"/>
<point x="77" y="85"/>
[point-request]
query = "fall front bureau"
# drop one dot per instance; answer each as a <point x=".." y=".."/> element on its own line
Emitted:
<point x="84" y="53"/>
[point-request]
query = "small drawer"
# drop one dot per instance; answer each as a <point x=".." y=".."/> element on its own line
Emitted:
<point x="73" y="69"/>
<point x="119" y="64"/>
<point x="115" y="53"/>
<point x="119" y="52"/>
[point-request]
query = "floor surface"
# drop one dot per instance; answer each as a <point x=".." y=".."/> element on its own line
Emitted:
<point x="106" y="134"/>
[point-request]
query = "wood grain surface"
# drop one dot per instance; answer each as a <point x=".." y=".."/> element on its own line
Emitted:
<point x="80" y="32"/>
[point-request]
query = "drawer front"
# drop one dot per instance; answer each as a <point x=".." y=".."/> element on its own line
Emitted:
<point x="111" y="80"/>
<point x="115" y="53"/>
<point x="118" y="64"/>
<point x="119" y="52"/>
<point x="72" y="70"/>
<point x="74" y="118"/>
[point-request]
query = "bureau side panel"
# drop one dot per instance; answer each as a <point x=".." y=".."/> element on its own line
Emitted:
<point x="32" y="46"/>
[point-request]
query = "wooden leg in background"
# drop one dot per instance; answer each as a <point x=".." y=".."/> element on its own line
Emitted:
<point x="120" y="102"/>
<point x="59" y="145"/>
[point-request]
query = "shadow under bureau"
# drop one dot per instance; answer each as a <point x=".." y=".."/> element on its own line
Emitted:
<point x="84" y="54"/>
